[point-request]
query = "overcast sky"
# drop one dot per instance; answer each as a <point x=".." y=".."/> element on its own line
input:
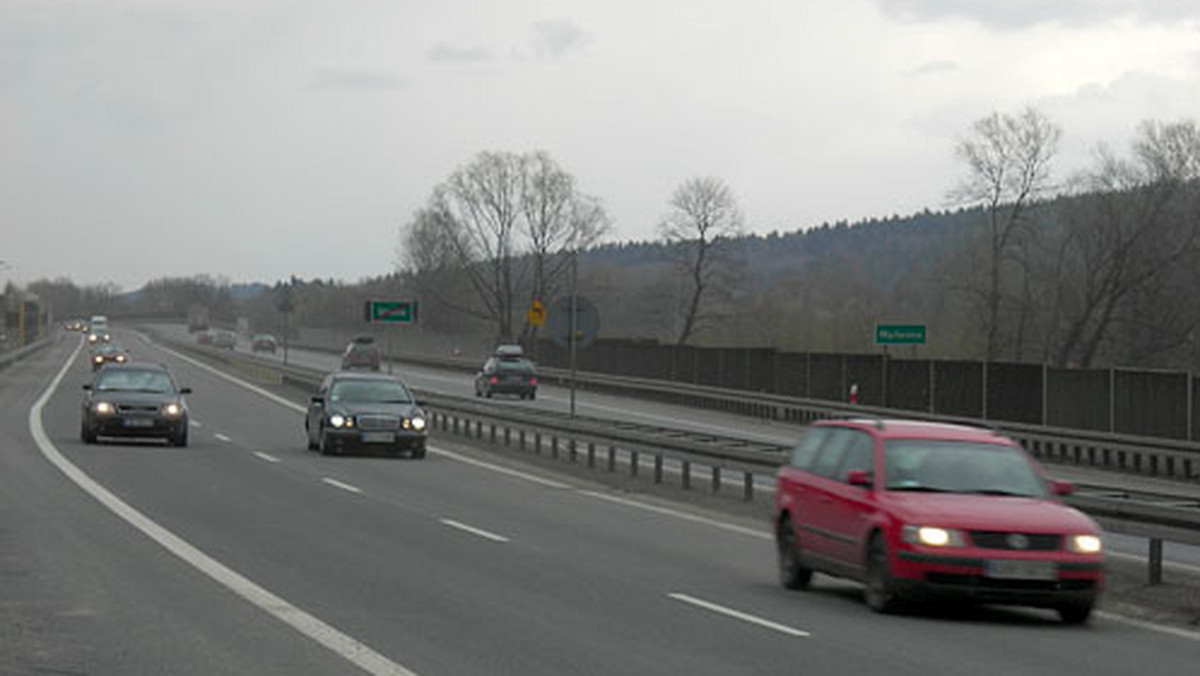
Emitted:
<point x="254" y="140"/>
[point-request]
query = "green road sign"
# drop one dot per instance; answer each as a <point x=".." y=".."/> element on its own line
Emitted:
<point x="391" y="311"/>
<point x="899" y="334"/>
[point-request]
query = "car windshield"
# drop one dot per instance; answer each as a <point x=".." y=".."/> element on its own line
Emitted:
<point x="959" y="467"/>
<point x="514" y="366"/>
<point x="135" y="381"/>
<point x="370" y="392"/>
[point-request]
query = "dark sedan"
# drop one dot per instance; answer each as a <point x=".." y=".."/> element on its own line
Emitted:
<point x="366" y="412"/>
<point x="139" y="400"/>
<point x="501" y="375"/>
<point x="108" y="353"/>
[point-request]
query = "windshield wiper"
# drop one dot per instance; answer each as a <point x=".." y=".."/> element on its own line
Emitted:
<point x="921" y="489"/>
<point x="998" y="491"/>
<point x="149" y="390"/>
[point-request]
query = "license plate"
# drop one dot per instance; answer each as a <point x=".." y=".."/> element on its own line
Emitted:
<point x="378" y="437"/>
<point x="1022" y="570"/>
<point x="137" y="422"/>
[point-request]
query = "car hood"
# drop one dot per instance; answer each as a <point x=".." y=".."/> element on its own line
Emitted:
<point x="401" y="410"/>
<point x="987" y="512"/>
<point x="135" y="398"/>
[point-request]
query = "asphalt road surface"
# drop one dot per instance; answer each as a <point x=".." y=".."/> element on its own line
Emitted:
<point x="244" y="553"/>
<point x="553" y="398"/>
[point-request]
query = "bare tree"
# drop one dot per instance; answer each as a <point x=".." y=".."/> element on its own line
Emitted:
<point x="704" y="218"/>
<point x="557" y="221"/>
<point x="1134" y="223"/>
<point x="1008" y="168"/>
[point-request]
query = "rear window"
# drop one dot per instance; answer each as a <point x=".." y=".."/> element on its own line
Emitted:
<point x="514" y="366"/>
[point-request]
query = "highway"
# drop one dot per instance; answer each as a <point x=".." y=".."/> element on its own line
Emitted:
<point x="557" y="399"/>
<point x="246" y="554"/>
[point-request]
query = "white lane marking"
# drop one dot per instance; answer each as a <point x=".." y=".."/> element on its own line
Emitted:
<point x="473" y="530"/>
<point x="1177" y="632"/>
<point x="237" y="381"/>
<point x="222" y="437"/>
<point x="611" y="498"/>
<point x="736" y="614"/>
<point x="266" y="456"/>
<point x="349" y="648"/>
<point x="196" y="424"/>
<point x="346" y="487"/>
<point x="497" y="468"/>
<point x="733" y="528"/>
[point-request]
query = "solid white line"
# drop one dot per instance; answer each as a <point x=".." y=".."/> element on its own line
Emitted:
<point x="346" y="487"/>
<point x="474" y="531"/>
<point x="745" y="617"/>
<point x="265" y="456"/>
<point x="733" y="528"/>
<point x="1177" y="632"/>
<point x="237" y="381"/>
<point x="497" y="468"/>
<point x="222" y="437"/>
<point x="349" y="648"/>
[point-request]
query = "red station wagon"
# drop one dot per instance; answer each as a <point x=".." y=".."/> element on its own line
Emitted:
<point x="920" y="510"/>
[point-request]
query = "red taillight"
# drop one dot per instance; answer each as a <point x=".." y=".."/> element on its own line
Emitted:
<point x="533" y="381"/>
<point x="493" y="380"/>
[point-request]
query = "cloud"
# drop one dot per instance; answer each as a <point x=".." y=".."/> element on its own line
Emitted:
<point x="443" y="51"/>
<point x="1013" y="14"/>
<point x="553" y="39"/>
<point x="932" y="68"/>
<point x="353" y="79"/>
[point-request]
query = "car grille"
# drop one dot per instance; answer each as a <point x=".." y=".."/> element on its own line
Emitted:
<point x="1032" y="542"/>
<point x="378" y="422"/>
<point x="137" y="408"/>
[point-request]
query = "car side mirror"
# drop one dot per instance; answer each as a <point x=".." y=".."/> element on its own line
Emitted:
<point x="185" y="390"/>
<point x="1061" y="487"/>
<point x="859" y="477"/>
<point x="87" y="387"/>
<point x="317" y="401"/>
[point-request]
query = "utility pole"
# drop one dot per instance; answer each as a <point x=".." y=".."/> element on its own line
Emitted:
<point x="574" y="321"/>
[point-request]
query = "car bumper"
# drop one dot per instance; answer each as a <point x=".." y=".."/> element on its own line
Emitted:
<point x="129" y="426"/>
<point x="512" y="388"/>
<point x="965" y="576"/>
<point x="384" y="441"/>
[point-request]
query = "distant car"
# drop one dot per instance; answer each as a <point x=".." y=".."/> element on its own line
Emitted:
<point x="507" y="375"/>
<point x="224" y="338"/>
<point x="108" y="353"/>
<point x="921" y="510"/>
<point x="98" y="336"/>
<point x="74" y="325"/>
<point x="362" y="354"/>
<point x="263" y="342"/>
<point x="134" y="400"/>
<point x="365" y="411"/>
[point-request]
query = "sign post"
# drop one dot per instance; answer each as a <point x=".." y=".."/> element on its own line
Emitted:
<point x="390" y="312"/>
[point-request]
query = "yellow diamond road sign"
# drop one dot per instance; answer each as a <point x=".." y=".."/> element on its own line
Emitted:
<point x="536" y="314"/>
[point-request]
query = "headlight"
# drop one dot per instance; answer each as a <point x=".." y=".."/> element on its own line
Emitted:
<point x="933" y="536"/>
<point x="98" y="359"/>
<point x="1085" y="544"/>
<point x="172" y="409"/>
<point x="120" y="359"/>
<point x="104" y="408"/>
<point x="338" y="420"/>
<point x="418" y="424"/>
<point x="93" y="338"/>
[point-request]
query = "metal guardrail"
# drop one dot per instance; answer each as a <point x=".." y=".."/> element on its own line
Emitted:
<point x="7" y="358"/>
<point x="1146" y="456"/>
<point x="1158" y="517"/>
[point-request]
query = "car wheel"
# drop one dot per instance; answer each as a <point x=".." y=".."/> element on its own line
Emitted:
<point x="323" y="444"/>
<point x="1075" y="613"/>
<point x="478" y="393"/>
<point x="792" y="573"/>
<point x="533" y="395"/>
<point x="181" y="439"/>
<point x="86" y="434"/>
<point x="418" y="452"/>
<point x="488" y="394"/>
<point x="880" y="593"/>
